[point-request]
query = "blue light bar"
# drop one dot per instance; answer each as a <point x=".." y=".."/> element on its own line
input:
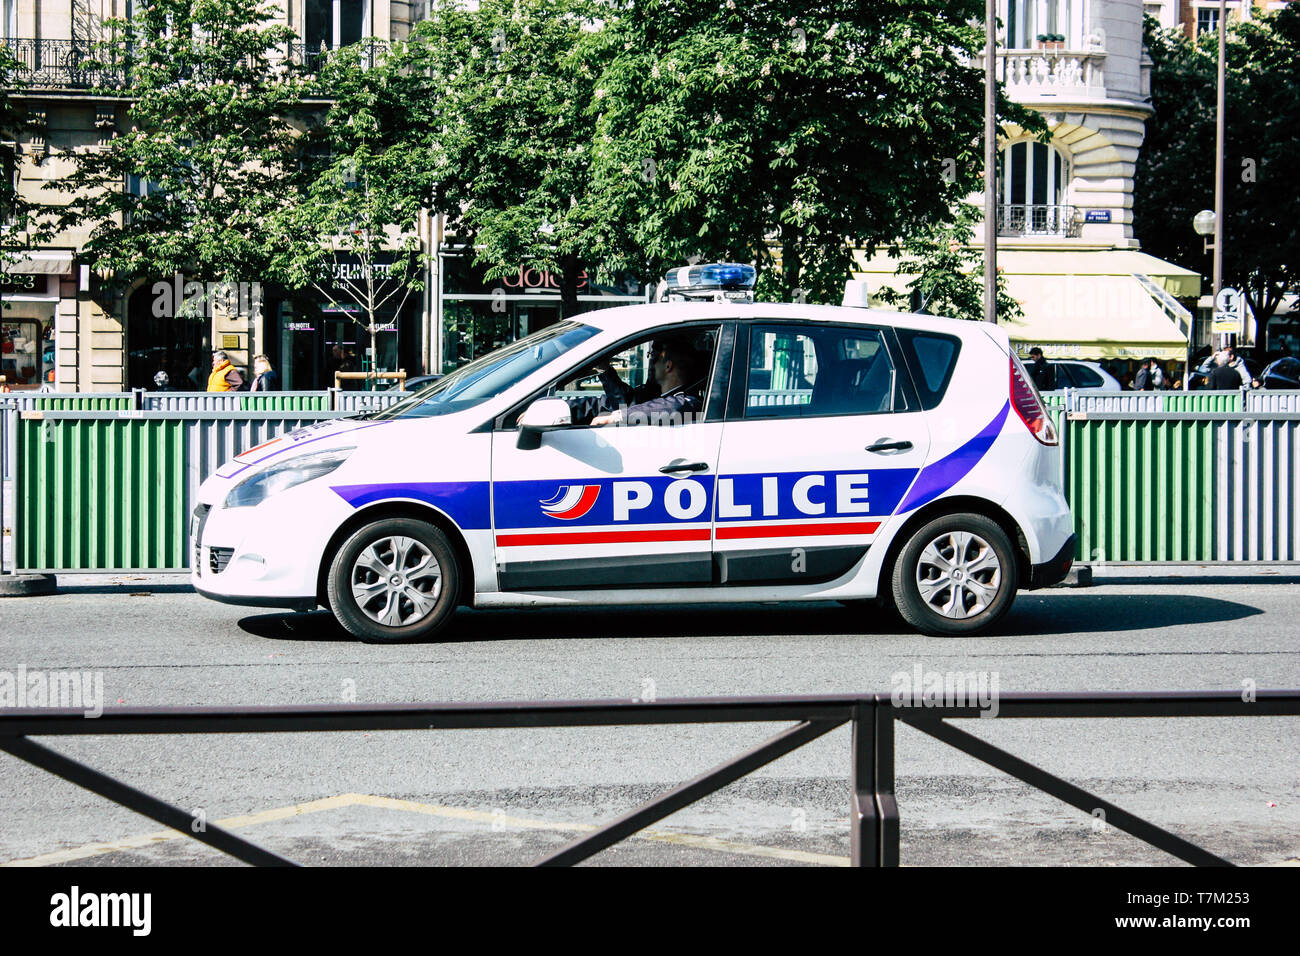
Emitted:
<point x="716" y="275"/>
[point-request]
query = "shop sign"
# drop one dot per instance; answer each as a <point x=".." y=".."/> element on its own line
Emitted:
<point x="24" y="283"/>
<point x="539" y="279"/>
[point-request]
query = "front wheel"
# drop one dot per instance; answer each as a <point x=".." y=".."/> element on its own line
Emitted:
<point x="395" y="579"/>
<point x="956" y="575"/>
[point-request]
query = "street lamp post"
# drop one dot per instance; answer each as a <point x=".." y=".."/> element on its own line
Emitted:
<point x="1218" y="154"/>
<point x="990" y="165"/>
<point x="1206" y="224"/>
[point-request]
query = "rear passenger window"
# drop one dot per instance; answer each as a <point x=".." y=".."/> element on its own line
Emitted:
<point x="797" y="371"/>
<point x="932" y="356"/>
<point x="1085" y="377"/>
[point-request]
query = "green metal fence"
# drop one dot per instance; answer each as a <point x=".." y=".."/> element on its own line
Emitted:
<point x="110" y="490"/>
<point x="1202" y="401"/>
<point x="1141" y="489"/>
<point x="100" y="494"/>
<point x="285" y="402"/>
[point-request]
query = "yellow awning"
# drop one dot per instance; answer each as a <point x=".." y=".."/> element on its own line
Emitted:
<point x="1107" y="303"/>
<point x="1179" y="282"/>
<point x="1092" y="317"/>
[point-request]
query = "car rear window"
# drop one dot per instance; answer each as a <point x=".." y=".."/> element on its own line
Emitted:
<point x="1085" y="377"/>
<point x="932" y="356"/>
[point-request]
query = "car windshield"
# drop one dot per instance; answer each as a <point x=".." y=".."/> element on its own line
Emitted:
<point x="490" y="375"/>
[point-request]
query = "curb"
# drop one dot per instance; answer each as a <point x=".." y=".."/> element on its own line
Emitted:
<point x="27" y="585"/>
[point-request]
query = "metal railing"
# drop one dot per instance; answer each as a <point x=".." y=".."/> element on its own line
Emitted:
<point x="60" y="64"/>
<point x="1149" y="476"/>
<point x="77" y="65"/>
<point x="873" y="808"/>
<point x="1015" y="219"/>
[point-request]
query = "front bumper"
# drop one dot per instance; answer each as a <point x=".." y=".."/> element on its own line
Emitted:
<point x="1054" y="571"/>
<point x="256" y="600"/>
<point x="266" y="556"/>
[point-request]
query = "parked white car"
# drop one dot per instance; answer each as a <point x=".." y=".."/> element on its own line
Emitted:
<point x="827" y="453"/>
<point x="1072" y="373"/>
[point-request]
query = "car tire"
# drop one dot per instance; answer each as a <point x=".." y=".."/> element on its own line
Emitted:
<point x="973" y="548"/>
<point x="393" y="580"/>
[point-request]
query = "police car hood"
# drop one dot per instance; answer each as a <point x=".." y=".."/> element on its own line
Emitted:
<point x="317" y="437"/>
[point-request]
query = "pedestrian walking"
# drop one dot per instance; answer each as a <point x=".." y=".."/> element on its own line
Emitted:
<point x="1043" y="374"/>
<point x="1150" y="377"/>
<point x="265" y="378"/>
<point x="1223" y="377"/>
<point x="225" y="377"/>
<point x="162" y="382"/>
<point x="1238" y="365"/>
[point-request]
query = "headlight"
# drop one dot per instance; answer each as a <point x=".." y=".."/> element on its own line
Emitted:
<point x="284" y="475"/>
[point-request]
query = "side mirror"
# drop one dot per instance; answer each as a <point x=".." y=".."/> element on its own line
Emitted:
<point x="544" y="415"/>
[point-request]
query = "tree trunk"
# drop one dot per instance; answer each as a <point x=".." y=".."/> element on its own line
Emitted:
<point x="373" y="383"/>
<point x="569" y="270"/>
<point x="1263" y="299"/>
<point x="791" y="264"/>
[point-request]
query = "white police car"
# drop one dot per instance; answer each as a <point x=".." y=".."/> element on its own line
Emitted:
<point x="802" y="453"/>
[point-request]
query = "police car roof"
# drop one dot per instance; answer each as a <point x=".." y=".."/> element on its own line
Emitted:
<point x="631" y="318"/>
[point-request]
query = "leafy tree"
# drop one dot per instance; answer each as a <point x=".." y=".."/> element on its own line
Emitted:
<point x="15" y="212"/>
<point x="782" y="132"/>
<point x="350" y="230"/>
<point x="948" y="271"/>
<point x="1175" y="172"/>
<point x="206" y="147"/>
<point x="494" y="118"/>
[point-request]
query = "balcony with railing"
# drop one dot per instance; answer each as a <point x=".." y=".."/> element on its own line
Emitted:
<point x="60" y="64"/>
<point x="1050" y="71"/>
<point x="73" y="65"/>
<point x="1016" y="220"/>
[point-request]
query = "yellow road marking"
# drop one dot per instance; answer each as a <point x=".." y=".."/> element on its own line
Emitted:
<point x="427" y="809"/>
<point x="162" y="836"/>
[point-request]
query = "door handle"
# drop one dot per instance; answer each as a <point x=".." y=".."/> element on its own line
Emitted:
<point x="886" y="445"/>
<point x="681" y="464"/>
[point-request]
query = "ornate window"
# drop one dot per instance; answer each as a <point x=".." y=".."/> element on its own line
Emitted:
<point x="1032" y="179"/>
<point x="1026" y="21"/>
<point x="335" y="23"/>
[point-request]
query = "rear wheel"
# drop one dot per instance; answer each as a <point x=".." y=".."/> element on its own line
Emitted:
<point x="955" y="575"/>
<point x="395" y="579"/>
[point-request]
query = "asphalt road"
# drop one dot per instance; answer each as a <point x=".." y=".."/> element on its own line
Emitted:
<point x="475" y="797"/>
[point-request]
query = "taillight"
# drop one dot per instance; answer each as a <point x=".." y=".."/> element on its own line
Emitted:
<point x="1025" y="400"/>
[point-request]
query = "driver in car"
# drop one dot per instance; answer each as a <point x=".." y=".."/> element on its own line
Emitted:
<point x="676" y="393"/>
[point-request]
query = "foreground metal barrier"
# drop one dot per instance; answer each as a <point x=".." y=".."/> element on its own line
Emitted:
<point x="874" y="815"/>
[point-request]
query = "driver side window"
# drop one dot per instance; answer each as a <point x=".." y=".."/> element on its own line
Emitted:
<point x="660" y="378"/>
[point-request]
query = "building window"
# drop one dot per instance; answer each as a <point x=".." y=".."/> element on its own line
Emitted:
<point x="1032" y="177"/>
<point x="8" y="19"/>
<point x="1028" y="20"/>
<point x="27" y="353"/>
<point x="331" y="24"/>
<point x="1207" y="20"/>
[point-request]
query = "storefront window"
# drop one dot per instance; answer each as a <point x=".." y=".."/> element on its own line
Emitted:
<point x="179" y="345"/>
<point x="27" y="353"/>
<point x="480" y="316"/>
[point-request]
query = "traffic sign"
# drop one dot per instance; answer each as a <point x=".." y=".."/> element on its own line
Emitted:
<point x="1229" y="313"/>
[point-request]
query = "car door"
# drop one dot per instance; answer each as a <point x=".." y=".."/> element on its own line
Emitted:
<point x="612" y="506"/>
<point x="823" y="436"/>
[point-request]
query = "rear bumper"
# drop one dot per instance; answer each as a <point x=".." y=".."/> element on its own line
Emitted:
<point x="1053" y="571"/>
